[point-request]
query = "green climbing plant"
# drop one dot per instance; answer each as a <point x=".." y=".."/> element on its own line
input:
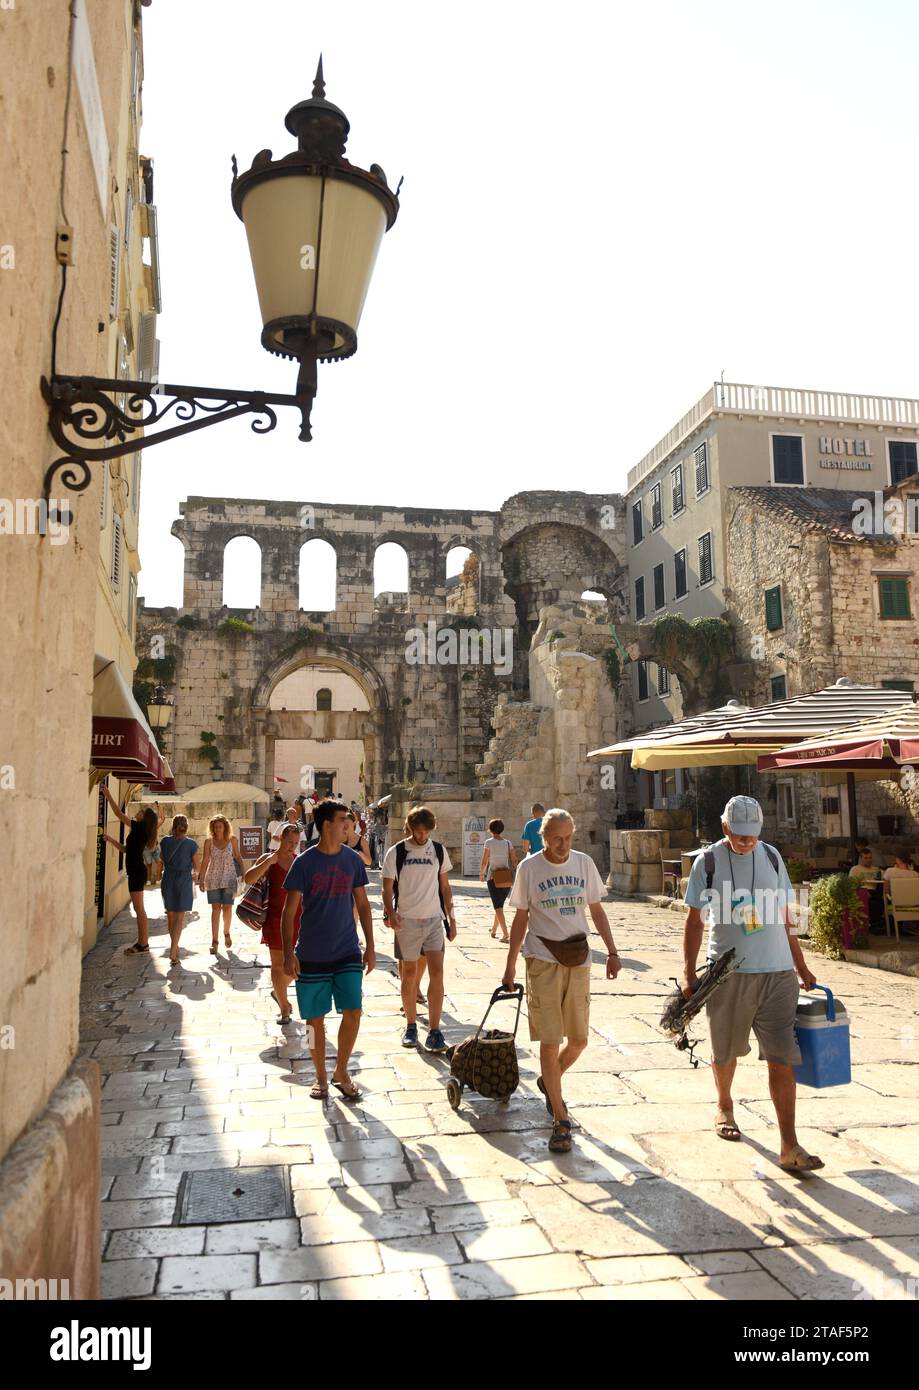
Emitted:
<point x="234" y="627"/>
<point x="613" y="667"/>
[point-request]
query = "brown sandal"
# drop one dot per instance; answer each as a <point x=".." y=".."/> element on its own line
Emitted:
<point x="136" y="950"/>
<point x="560" y="1139"/>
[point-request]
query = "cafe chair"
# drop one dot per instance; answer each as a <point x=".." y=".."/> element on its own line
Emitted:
<point x="903" y="903"/>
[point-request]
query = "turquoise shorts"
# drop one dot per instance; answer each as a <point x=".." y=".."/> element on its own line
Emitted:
<point x="317" y="986"/>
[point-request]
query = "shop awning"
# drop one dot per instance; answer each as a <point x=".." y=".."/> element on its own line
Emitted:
<point x="122" y="740"/>
<point x="877" y="746"/>
<point x="747" y="735"/>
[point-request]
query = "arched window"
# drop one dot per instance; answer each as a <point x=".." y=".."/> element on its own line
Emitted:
<point x="317" y="577"/>
<point x="242" y="573"/>
<point x="462" y="570"/>
<point x="324" y="698"/>
<point x="390" y="573"/>
<point x="591" y="596"/>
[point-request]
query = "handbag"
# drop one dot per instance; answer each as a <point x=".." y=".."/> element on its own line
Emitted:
<point x="503" y="877"/>
<point x="574" y="950"/>
<point x="253" y="908"/>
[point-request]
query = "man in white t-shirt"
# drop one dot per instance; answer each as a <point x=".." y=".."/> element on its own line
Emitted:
<point x="291" y="817"/>
<point x="416" y="899"/>
<point x="553" y="893"/>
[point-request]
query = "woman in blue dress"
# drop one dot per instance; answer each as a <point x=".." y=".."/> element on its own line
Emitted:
<point x="180" y="870"/>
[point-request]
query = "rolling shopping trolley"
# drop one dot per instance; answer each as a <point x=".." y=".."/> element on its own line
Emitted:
<point x="486" y="1061"/>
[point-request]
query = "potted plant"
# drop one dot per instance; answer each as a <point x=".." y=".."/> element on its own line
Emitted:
<point x="837" y="918"/>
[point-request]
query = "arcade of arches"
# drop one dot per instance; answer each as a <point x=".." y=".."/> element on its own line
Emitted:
<point x="478" y="674"/>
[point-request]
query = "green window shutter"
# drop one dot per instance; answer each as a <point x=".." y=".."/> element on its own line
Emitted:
<point x="774" y="608"/>
<point x="894" y="596"/>
<point x="778" y="688"/>
<point x="897" y="685"/>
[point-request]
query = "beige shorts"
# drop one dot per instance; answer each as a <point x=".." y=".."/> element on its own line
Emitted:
<point x="767" y="1003"/>
<point x="420" y="935"/>
<point x="558" y="1001"/>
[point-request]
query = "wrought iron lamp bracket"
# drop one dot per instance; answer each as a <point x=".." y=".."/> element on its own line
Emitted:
<point x="94" y="419"/>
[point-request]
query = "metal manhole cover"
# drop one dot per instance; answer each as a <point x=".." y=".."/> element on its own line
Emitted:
<point x="235" y="1194"/>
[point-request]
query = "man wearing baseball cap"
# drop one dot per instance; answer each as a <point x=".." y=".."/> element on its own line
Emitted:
<point x="746" y="890"/>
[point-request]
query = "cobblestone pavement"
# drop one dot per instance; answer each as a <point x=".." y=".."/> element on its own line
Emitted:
<point x="401" y="1197"/>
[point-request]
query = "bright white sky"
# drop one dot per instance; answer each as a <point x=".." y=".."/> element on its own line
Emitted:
<point x="604" y="206"/>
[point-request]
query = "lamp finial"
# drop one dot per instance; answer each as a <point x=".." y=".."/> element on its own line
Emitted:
<point x="318" y="83"/>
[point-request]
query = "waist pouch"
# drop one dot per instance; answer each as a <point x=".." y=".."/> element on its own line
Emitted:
<point x="574" y="950"/>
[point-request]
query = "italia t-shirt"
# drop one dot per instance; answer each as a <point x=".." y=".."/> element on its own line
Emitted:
<point x="746" y="907"/>
<point x="327" y="933"/>
<point x="419" y="895"/>
<point x="557" y="897"/>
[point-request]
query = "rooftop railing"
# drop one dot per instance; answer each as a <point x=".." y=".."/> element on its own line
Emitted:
<point x="839" y="407"/>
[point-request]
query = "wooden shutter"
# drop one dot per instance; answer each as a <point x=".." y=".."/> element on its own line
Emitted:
<point x="701" y="458"/>
<point x="642" y="680"/>
<point x="894" y="595"/>
<point x="114" y="273"/>
<point x="774" y="608"/>
<point x="117" y="551"/>
<point x="676" y="489"/>
<point x="705" y="557"/>
<point x="679" y="573"/>
<point x="103" y="500"/>
<point x="639" y="598"/>
<point x="658" y="586"/>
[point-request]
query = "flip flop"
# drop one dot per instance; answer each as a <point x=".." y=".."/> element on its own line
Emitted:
<point x="727" y="1129"/>
<point x="803" y="1162"/>
<point x="319" y="1092"/>
<point x="354" y="1094"/>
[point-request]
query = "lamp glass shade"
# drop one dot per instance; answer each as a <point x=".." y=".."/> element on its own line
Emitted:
<point x="158" y="715"/>
<point x="290" y="249"/>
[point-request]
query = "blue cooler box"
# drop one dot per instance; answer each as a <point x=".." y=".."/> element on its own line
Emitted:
<point x="822" y="1030"/>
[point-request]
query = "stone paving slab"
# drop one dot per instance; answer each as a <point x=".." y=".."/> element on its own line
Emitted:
<point x="400" y="1197"/>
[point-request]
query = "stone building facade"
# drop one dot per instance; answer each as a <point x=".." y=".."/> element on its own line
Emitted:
<point x="815" y="596"/>
<point x="432" y="672"/>
<point x="49" y="1117"/>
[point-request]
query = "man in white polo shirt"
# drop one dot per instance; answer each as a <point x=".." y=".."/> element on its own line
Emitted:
<point x="746" y="890"/>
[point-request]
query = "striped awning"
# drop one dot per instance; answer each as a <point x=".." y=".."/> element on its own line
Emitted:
<point x="746" y="735"/>
<point x="883" y="743"/>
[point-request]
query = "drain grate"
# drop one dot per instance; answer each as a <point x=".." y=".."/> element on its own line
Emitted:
<point x="235" y="1194"/>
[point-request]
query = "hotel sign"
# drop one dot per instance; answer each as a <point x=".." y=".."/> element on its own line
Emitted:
<point x="845" y="453"/>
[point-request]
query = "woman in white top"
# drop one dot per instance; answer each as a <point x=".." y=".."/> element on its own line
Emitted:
<point x="498" y="856"/>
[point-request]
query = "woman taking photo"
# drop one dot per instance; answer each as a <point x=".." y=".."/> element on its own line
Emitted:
<point x="276" y="865"/>
<point x="141" y="836"/>
<point x="357" y="840"/>
<point x="498" y="865"/>
<point x="219" y="874"/>
<point x="180" y="870"/>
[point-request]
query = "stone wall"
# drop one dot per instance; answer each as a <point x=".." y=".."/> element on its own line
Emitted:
<point x="48" y="1202"/>
<point x="831" y="629"/>
<point x="435" y="712"/>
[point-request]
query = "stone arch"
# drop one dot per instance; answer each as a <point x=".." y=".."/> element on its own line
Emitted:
<point x="321" y="557"/>
<point x="399" y="588"/>
<point x="370" y="725"/>
<point x="551" y="561"/>
<point x="249" y="586"/>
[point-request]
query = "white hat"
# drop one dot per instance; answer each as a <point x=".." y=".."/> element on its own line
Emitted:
<point x="743" y="815"/>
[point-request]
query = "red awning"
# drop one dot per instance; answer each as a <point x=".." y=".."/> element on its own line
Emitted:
<point x="122" y="741"/>
<point x="869" y="753"/>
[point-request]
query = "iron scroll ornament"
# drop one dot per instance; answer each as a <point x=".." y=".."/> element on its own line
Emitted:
<point x="97" y="418"/>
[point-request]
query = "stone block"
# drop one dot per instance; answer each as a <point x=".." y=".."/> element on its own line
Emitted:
<point x="642" y="846"/>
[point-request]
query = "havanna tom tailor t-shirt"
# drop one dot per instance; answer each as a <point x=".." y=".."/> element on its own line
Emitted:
<point x="419" y="896"/>
<point x="327" y="881"/>
<point x="758" y="936"/>
<point x="557" y="897"/>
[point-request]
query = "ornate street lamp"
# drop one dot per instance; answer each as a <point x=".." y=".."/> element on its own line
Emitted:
<point x="159" y="710"/>
<point x="314" y="223"/>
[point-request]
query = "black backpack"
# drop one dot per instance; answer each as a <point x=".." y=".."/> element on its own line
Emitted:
<point x="771" y="855"/>
<point x="401" y="852"/>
